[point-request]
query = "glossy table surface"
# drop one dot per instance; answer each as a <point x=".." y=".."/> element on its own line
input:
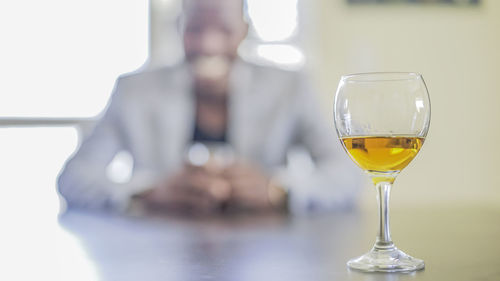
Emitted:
<point x="456" y="244"/>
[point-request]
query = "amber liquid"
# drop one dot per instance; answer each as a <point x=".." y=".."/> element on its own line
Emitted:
<point x="382" y="155"/>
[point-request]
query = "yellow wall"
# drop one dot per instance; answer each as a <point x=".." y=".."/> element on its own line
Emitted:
<point x="457" y="49"/>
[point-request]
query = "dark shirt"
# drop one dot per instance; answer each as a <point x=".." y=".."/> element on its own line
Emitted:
<point x="201" y="136"/>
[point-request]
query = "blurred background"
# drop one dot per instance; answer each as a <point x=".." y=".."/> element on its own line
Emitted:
<point x="59" y="60"/>
<point x="457" y="49"/>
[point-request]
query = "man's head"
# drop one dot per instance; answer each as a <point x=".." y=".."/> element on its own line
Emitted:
<point x="213" y="30"/>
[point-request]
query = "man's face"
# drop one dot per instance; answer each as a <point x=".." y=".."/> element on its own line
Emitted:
<point x="213" y="30"/>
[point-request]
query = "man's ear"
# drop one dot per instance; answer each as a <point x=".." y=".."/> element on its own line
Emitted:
<point x="247" y="27"/>
<point x="244" y="31"/>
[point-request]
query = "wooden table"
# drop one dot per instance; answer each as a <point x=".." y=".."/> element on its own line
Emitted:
<point x="456" y="244"/>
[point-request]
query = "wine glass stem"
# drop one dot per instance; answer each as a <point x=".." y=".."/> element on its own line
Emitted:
<point x="384" y="241"/>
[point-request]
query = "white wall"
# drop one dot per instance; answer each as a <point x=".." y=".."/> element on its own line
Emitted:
<point x="457" y="49"/>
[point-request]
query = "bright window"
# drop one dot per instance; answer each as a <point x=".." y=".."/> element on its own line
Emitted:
<point x="273" y="21"/>
<point x="273" y="33"/>
<point x="60" y="58"/>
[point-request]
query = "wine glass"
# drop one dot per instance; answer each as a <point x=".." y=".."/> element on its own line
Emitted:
<point x="382" y="120"/>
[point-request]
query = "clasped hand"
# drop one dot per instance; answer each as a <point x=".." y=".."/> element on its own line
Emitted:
<point x="210" y="189"/>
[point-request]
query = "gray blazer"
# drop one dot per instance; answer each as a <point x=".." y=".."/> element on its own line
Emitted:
<point x="151" y="116"/>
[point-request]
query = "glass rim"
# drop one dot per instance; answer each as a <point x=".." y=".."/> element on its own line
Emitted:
<point x="380" y="76"/>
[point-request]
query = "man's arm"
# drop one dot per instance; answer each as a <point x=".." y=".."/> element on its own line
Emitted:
<point x="83" y="181"/>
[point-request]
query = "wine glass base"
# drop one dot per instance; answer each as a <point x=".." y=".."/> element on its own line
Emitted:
<point x="392" y="260"/>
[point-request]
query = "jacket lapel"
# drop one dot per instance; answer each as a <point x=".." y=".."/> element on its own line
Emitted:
<point x="176" y="112"/>
<point x="240" y="127"/>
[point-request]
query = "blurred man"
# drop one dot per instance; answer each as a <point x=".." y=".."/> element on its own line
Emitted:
<point x="212" y="97"/>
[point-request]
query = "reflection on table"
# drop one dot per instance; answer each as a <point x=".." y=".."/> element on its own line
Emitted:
<point x="456" y="245"/>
